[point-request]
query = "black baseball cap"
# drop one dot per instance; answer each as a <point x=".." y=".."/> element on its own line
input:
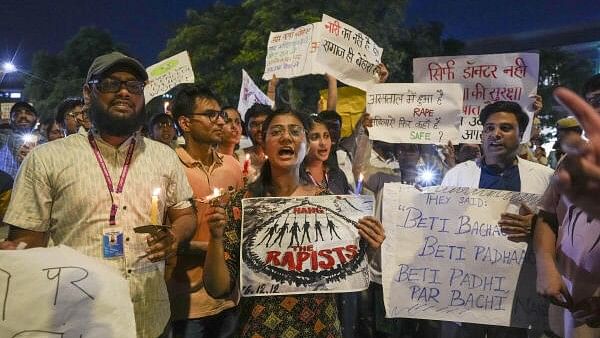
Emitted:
<point x="110" y="61"/>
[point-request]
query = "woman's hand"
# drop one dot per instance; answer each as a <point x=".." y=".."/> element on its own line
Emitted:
<point x="371" y="230"/>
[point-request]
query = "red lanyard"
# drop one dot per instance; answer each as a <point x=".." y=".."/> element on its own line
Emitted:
<point x="108" y="179"/>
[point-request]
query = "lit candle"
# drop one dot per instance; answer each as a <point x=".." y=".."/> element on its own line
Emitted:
<point x="30" y="140"/>
<point x="154" y="207"/>
<point x="359" y="184"/>
<point x="213" y="199"/>
<point x="246" y="165"/>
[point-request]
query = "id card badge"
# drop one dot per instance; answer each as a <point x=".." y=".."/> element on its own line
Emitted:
<point x="112" y="242"/>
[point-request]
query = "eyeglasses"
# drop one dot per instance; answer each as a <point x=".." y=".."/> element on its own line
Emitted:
<point x="74" y="114"/>
<point x="164" y="125"/>
<point x="213" y="115"/>
<point x="294" y="130"/>
<point x="110" y="85"/>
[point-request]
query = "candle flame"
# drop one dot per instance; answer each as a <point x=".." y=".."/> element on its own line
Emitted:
<point x="247" y="157"/>
<point x="156" y="192"/>
<point x="216" y="192"/>
<point x="361" y="177"/>
<point x="29" y="138"/>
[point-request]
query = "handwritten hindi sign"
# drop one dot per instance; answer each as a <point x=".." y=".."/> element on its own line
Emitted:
<point x="291" y="53"/>
<point x="168" y="73"/>
<point x="348" y="54"/>
<point x="250" y="94"/>
<point x="303" y="245"/>
<point x="485" y="79"/>
<point x="414" y="112"/>
<point x="59" y="293"/>
<point x="445" y="257"/>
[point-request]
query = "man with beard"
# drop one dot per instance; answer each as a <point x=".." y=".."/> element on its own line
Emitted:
<point x="88" y="187"/>
<point x="500" y="168"/>
<point x="200" y="118"/>
<point x="23" y="118"/>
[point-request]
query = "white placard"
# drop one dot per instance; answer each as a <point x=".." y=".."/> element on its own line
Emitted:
<point x="5" y="110"/>
<point x="485" y="79"/>
<point x="168" y="73"/>
<point x="445" y="257"/>
<point x="303" y="245"/>
<point x="250" y="94"/>
<point x="292" y="53"/>
<point x="348" y="54"/>
<point x="59" y="293"/>
<point x="415" y="112"/>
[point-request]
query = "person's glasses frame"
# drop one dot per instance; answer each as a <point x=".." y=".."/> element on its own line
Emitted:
<point x="213" y="115"/>
<point x="294" y="130"/>
<point x="110" y="85"/>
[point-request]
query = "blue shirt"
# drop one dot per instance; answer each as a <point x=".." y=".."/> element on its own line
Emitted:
<point x="492" y="177"/>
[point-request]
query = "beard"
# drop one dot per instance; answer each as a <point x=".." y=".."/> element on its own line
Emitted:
<point x="113" y="125"/>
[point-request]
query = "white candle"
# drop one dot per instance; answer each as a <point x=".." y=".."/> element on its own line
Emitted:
<point x="246" y="165"/>
<point x="154" y="207"/>
<point x="359" y="184"/>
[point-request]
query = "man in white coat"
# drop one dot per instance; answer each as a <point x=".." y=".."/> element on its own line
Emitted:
<point x="500" y="168"/>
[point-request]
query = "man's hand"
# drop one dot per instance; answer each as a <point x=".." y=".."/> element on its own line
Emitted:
<point x="24" y="149"/>
<point x="551" y="286"/>
<point x="367" y="121"/>
<point x="371" y="230"/>
<point x="217" y="220"/>
<point x="537" y="105"/>
<point x="161" y="245"/>
<point x="449" y="155"/>
<point x="382" y="72"/>
<point x="8" y="245"/>
<point x="517" y="227"/>
<point x="579" y="176"/>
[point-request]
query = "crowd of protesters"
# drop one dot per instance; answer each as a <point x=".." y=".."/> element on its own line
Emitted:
<point x="69" y="178"/>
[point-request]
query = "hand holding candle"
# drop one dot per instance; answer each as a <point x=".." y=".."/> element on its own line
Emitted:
<point x="246" y="165"/>
<point x="154" y="207"/>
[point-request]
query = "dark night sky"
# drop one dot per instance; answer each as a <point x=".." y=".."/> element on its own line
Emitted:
<point x="144" y="29"/>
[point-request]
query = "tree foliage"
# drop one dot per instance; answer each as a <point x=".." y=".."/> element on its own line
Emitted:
<point x="224" y="39"/>
<point x="55" y="77"/>
<point x="559" y="67"/>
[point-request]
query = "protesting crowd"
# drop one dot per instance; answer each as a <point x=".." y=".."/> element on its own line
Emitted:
<point x="83" y="177"/>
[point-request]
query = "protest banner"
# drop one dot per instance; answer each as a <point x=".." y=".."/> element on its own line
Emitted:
<point x="424" y="113"/>
<point x="250" y="94"/>
<point x="485" y="79"/>
<point x="350" y="106"/>
<point x="348" y="54"/>
<point x="303" y="245"/>
<point x="168" y="73"/>
<point x="291" y="53"/>
<point x="58" y="292"/>
<point x="445" y="257"/>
